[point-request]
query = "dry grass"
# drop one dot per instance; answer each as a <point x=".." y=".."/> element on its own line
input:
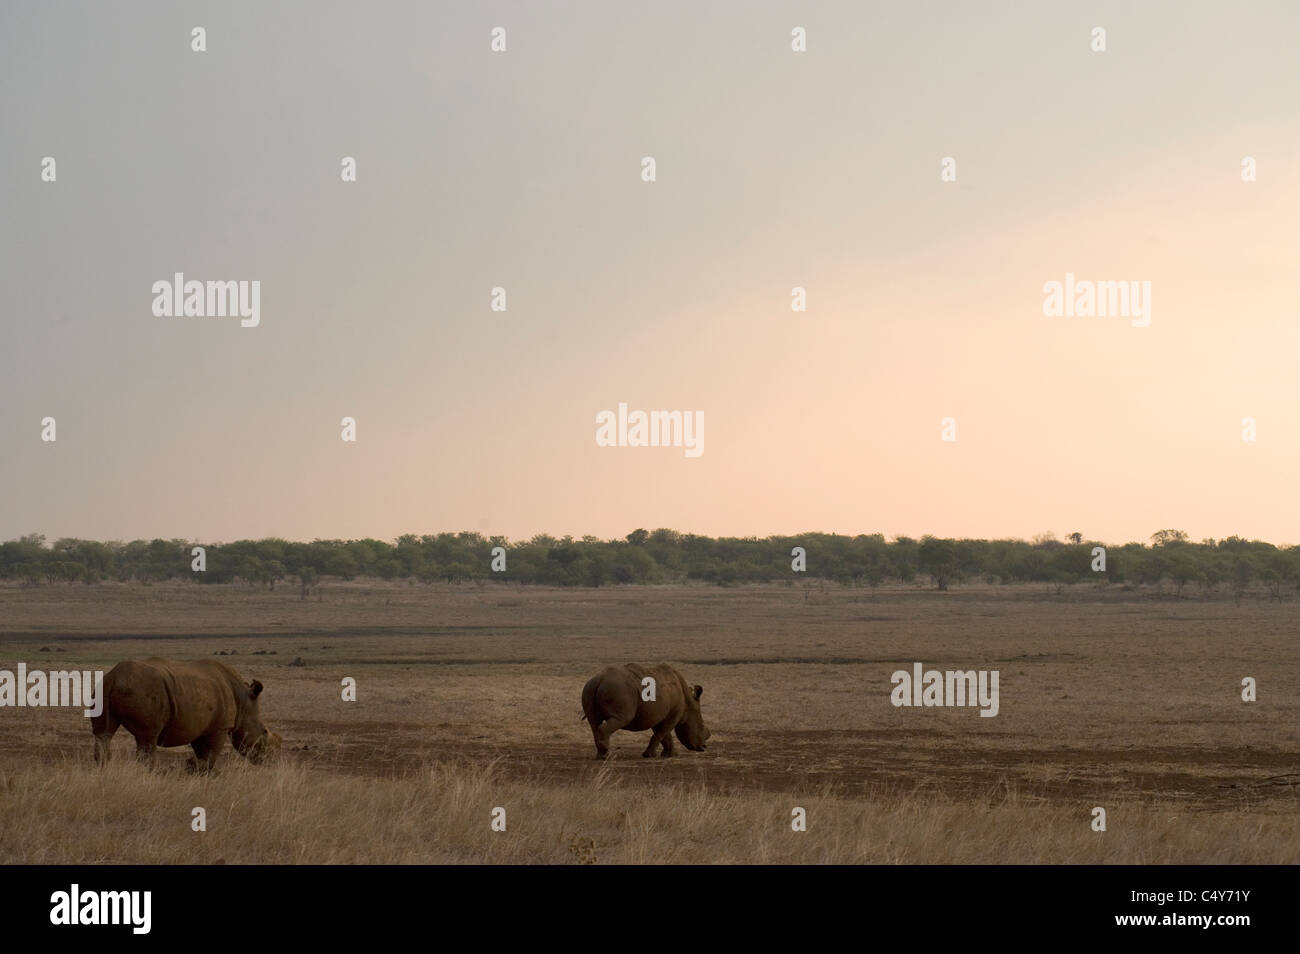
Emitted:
<point x="292" y="814"/>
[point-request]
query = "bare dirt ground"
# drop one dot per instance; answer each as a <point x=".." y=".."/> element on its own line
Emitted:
<point x="468" y="701"/>
<point x="1107" y="696"/>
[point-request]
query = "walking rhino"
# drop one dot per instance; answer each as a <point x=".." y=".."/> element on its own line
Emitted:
<point x="168" y="703"/>
<point x="635" y="698"/>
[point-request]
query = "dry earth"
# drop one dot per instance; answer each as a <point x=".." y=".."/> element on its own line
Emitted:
<point x="1124" y="699"/>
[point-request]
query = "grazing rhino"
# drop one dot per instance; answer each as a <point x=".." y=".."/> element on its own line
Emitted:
<point x="624" y="697"/>
<point x="166" y="702"/>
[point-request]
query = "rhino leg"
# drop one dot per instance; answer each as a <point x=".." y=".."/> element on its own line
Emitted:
<point x="663" y="735"/>
<point x="206" y="749"/>
<point x="601" y="731"/>
<point x="103" y="725"/>
<point x="146" y="750"/>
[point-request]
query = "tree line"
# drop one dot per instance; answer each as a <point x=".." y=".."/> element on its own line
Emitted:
<point x="666" y="556"/>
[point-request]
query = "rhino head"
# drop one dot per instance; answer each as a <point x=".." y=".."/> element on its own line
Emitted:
<point x="251" y="738"/>
<point x="691" y="730"/>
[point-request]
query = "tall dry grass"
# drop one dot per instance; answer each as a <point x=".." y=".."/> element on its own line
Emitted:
<point x="71" y="812"/>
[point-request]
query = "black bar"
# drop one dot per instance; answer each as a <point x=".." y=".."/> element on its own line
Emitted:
<point x="984" y="903"/>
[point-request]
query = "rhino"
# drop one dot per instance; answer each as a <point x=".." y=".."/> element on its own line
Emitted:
<point x="618" y="697"/>
<point x="199" y="704"/>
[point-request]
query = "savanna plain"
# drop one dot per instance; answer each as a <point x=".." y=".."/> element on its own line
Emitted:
<point x="468" y="700"/>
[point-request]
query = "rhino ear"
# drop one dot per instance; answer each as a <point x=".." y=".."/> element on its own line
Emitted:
<point x="254" y="688"/>
<point x="699" y="691"/>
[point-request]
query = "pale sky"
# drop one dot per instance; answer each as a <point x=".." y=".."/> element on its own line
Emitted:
<point x="775" y="169"/>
